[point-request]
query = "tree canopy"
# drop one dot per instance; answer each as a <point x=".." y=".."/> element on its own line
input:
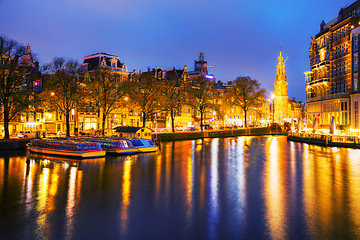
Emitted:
<point x="200" y="94"/>
<point x="64" y="86"/>
<point x="245" y="93"/>
<point x="15" y="87"/>
<point x="105" y="89"/>
<point x="144" y="93"/>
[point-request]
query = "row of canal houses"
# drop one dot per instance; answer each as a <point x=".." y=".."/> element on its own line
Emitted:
<point x="87" y="118"/>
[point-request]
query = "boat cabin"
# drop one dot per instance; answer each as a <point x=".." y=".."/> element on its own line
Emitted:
<point x="133" y="132"/>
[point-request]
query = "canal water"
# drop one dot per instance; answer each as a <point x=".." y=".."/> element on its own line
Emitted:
<point x="231" y="188"/>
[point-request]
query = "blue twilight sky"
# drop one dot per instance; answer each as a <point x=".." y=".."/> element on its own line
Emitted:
<point x="238" y="37"/>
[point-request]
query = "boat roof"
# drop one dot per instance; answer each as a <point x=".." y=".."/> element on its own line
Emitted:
<point x="125" y="129"/>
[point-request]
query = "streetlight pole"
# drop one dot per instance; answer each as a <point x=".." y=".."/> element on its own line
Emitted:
<point x="74" y="117"/>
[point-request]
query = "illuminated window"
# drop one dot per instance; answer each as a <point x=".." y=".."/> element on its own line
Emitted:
<point x="356" y="114"/>
<point x="356" y="57"/>
<point x="345" y="118"/>
<point x="356" y="38"/>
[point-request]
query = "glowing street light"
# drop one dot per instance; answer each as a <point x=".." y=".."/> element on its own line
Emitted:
<point x="273" y="107"/>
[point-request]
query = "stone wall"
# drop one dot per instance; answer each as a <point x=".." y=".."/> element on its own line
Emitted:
<point x="216" y="134"/>
<point x="13" y="144"/>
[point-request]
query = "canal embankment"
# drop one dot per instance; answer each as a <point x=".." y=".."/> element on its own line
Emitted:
<point x="20" y="144"/>
<point x="192" y="135"/>
<point x="13" y="144"/>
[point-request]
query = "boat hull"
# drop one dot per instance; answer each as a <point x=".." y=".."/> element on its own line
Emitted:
<point x="147" y="149"/>
<point x="122" y="151"/>
<point x="76" y="154"/>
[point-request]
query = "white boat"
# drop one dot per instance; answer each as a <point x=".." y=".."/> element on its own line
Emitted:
<point x="69" y="148"/>
<point x="144" y="145"/>
<point x="114" y="145"/>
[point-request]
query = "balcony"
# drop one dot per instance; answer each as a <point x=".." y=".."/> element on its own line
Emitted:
<point x="319" y="81"/>
<point x="328" y="97"/>
<point x="321" y="64"/>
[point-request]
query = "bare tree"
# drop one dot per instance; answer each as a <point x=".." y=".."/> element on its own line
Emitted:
<point x="106" y="90"/>
<point x="144" y="93"/>
<point x="199" y="96"/>
<point x="245" y="93"/>
<point x="63" y="86"/>
<point x="15" y="90"/>
<point x="172" y="96"/>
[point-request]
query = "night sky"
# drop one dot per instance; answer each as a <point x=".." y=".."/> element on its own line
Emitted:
<point x="238" y="37"/>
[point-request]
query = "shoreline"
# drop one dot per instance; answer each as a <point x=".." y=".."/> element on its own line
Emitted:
<point x="20" y="144"/>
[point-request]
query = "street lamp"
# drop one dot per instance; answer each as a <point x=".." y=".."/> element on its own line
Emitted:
<point x="273" y="107"/>
<point x="74" y="117"/>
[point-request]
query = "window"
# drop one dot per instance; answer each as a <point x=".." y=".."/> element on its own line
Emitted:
<point x="356" y="38"/>
<point x="346" y="117"/>
<point x="355" y="83"/>
<point x="346" y="68"/>
<point x="356" y="62"/>
<point x="356" y="114"/>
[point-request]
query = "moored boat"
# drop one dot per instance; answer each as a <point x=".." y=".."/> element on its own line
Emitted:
<point x="144" y="145"/>
<point x="114" y="145"/>
<point x="69" y="148"/>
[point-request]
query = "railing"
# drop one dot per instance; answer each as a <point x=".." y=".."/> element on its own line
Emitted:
<point x="320" y="80"/>
<point x="328" y="97"/>
<point x="328" y="139"/>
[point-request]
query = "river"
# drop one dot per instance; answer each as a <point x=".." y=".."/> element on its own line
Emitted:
<point x="223" y="188"/>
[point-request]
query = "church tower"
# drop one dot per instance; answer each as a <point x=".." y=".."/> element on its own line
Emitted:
<point x="201" y="65"/>
<point x="281" y="92"/>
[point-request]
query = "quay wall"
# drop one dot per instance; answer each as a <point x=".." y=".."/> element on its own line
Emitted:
<point x="20" y="144"/>
<point x="13" y="144"/>
<point x="188" y="135"/>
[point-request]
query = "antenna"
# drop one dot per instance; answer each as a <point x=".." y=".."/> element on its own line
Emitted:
<point x="286" y="59"/>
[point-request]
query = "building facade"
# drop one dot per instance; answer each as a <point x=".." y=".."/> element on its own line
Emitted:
<point x="88" y="116"/>
<point x="331" y="84"/>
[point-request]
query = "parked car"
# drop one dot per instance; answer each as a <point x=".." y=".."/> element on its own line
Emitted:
<point x="26" y="134"/>
<point x="191" y="129"/>
<point x="208" y="127"/>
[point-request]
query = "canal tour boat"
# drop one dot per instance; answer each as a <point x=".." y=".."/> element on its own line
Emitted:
<point x="144" y="145"/>
<point x="113" y="145"/>
<point x="68" y="148"/>
<point x="116" y="146"/>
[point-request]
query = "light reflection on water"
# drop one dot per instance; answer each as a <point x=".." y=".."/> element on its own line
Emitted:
<point x="274" y="188"/>
<point x="244" y="187"/>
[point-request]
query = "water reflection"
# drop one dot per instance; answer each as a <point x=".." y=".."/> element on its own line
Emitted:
<point x="126" y="186"/>
<point x="275" y="187"/>
<point x="214" y="190"/>
<point x="234" y="188"/>
<point x="189" y="182"/>
<point x="42" y="226"/>
<point x="72" y="198"/>
<point x="332" y="192"/>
